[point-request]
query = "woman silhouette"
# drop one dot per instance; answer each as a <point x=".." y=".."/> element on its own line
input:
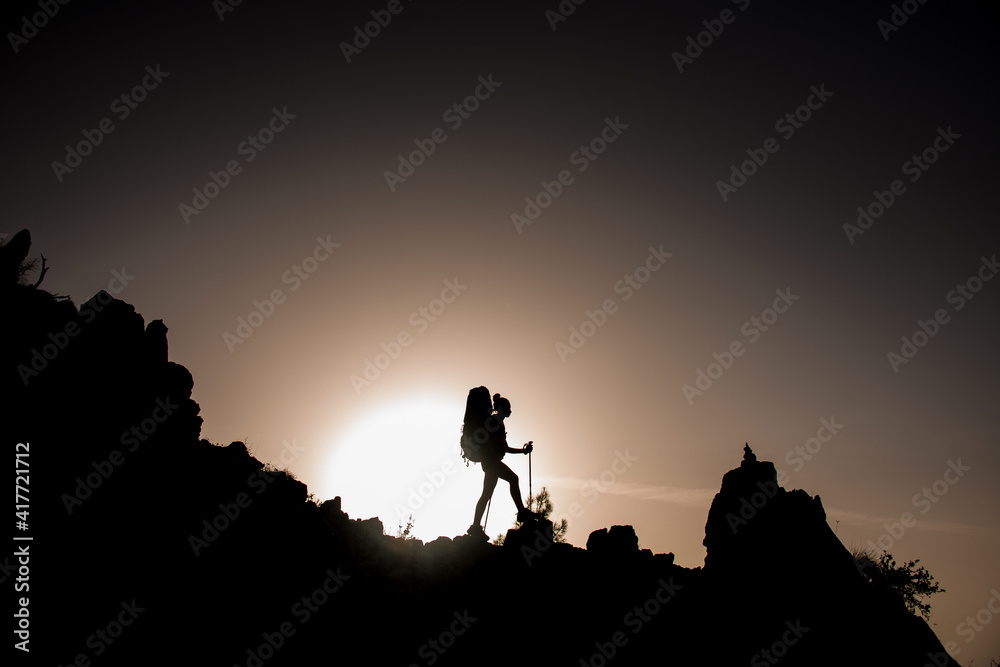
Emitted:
<point x="485" y="424"/>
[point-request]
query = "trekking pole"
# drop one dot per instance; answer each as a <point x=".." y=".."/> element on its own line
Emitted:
<point x="529" y="476"/>
<point x="488" y="503"/>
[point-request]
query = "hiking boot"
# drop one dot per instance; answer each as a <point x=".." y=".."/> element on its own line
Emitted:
<point x="477" y="531"/>
<point x="527" y="515"/>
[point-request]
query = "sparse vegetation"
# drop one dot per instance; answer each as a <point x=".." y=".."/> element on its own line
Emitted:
<point x="541" y="504"/>
<point x="28" y="266"/>
<point x="907" y="582"/>
<point x="405" y="532"/>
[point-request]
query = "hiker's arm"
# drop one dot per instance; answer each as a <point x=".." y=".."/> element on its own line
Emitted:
<point x="514" y="450"/>
<point x="522" y="450"/>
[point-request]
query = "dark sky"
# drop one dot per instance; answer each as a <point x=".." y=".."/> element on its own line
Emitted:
<point x="638" y="235"/>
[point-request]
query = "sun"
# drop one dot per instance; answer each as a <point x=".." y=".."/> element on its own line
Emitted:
<point x="404" y="460"/>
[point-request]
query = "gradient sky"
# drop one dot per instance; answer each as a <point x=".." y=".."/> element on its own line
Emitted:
<point x="287" y="390"/>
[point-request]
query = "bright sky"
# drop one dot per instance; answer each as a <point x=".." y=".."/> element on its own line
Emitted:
<point x="627" y="272"/>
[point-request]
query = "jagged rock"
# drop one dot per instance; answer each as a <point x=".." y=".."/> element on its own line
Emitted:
<point x="156" y="342"/>
<point x="623" y="540"/>
<point x="597" y="540"/>
<point x="618" y="542"/>
<point x="531" y="539"/>
<point x="371" y="527"/>
<point x="12" y="254"/>
<point x="444" y="543"/>
<point x="169" y="528"/>
<point x="748" y="495"/>
<point x="664" y="560"/>
<point x="237" y="449"/>
<point x="775" y="546"/>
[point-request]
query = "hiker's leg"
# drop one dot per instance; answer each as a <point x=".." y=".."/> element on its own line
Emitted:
<point x="505" y="473"/>
<point x="489" y="483"/>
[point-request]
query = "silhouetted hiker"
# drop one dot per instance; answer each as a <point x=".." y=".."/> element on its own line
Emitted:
<point x="484" y="439"/>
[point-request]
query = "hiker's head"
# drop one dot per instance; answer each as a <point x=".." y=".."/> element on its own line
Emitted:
<point x="501" y="405"/>
<point x="477" y="406"/>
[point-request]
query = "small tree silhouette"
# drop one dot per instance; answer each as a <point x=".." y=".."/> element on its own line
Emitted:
<point x="906" y="582"/>
<point x="541" y="505"/>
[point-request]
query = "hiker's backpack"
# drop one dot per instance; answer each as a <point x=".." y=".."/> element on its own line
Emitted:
<point x="473" y="451"/>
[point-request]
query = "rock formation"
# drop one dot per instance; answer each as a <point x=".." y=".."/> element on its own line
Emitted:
<point x="218" y="559"/>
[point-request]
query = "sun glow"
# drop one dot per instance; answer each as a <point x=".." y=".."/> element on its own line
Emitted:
<point x="405" y="460"/>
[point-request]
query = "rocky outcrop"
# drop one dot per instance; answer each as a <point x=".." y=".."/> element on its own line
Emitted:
<point x="227" y="561"/>
<point x="12" y="254"/>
